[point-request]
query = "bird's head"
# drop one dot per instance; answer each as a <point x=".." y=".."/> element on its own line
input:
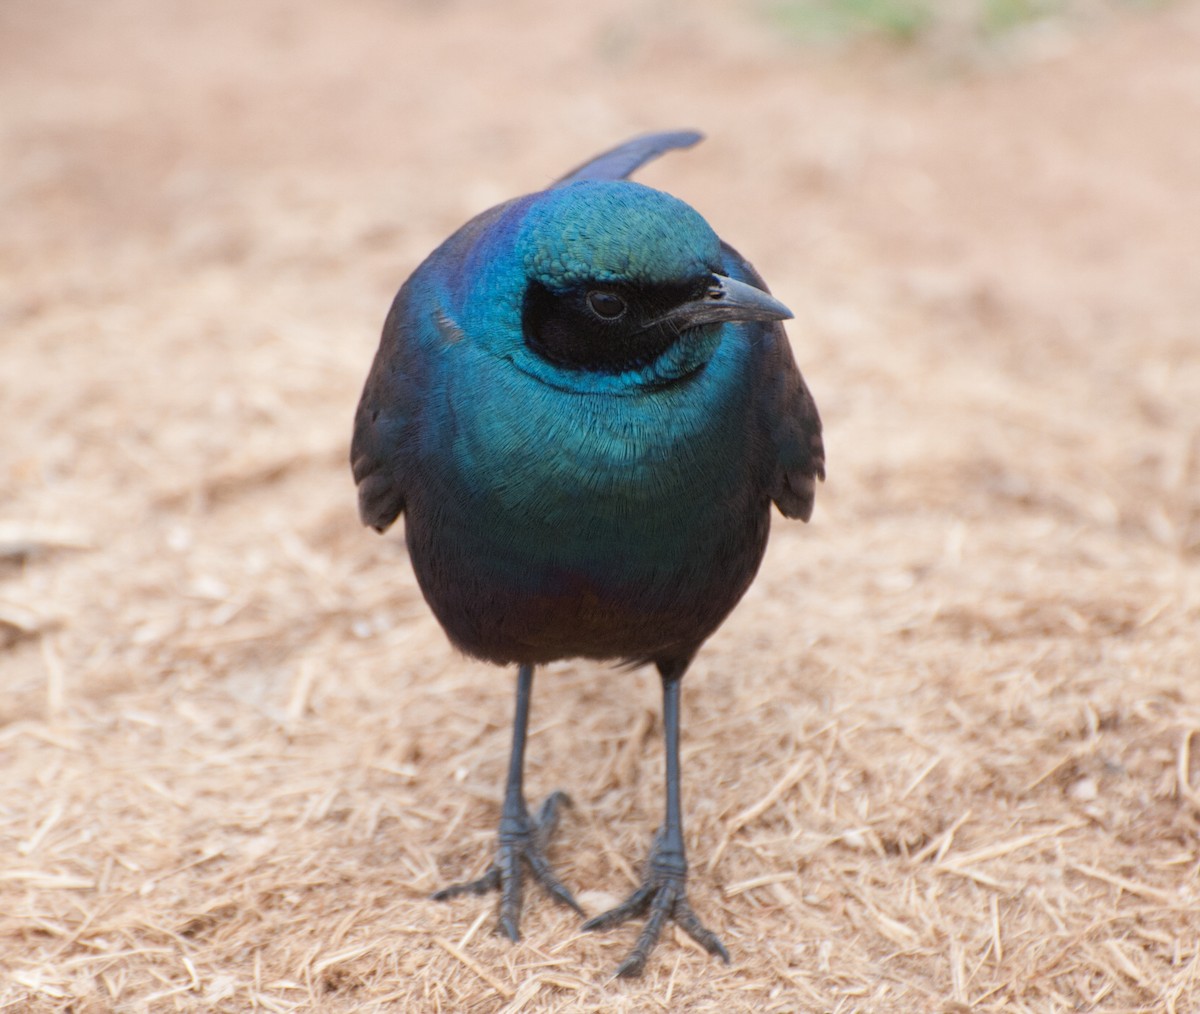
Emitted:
<point x="607" y="286"/>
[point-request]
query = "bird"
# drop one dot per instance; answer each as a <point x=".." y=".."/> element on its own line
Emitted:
<point x="584" y="404"/>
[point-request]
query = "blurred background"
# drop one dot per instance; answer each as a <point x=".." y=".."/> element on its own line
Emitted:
<point x="239" y="753"/>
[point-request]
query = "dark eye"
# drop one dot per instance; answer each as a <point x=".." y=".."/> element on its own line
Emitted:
<point x="607" y="305"/>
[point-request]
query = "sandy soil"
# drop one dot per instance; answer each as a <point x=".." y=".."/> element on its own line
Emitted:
<point x="943" y="755"/>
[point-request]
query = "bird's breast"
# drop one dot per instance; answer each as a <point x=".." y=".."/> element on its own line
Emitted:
<point x="549" y="524"/>
<point x="525" y="450"/>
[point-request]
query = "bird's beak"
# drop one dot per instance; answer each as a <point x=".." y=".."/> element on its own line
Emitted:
<point x="728" y="299"/>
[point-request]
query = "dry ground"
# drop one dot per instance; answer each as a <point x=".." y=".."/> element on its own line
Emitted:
<point x="942" y="757"/>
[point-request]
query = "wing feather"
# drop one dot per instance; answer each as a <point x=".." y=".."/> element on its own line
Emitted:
<point x="787" y="414"/>
<point x="383" y="446"/>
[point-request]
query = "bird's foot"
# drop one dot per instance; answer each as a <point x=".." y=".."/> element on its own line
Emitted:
<point x="664" y="894"/>
<point x="521" y="838"/>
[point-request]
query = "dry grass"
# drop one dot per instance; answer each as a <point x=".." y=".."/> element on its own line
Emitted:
<point x="945" y="755"/>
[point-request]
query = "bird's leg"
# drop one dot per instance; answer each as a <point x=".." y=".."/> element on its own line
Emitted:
<point x="664" y="890"/>
<point x="521" y="837"/>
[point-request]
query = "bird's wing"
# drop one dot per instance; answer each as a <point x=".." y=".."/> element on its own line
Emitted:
<point x="398" y="395"/>
<point x="619" y="162"/>
<point x="795" y="429"/>
<point x="789" y="417"/>
<point x="384" y="442"/>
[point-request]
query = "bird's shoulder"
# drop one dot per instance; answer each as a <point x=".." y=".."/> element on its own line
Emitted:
<point x="787" y="414"/>
<point x="416" y="335"/>
<point x="386" y="420"/>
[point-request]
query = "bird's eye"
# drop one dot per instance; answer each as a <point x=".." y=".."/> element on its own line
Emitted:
<point x="606" y="305"/>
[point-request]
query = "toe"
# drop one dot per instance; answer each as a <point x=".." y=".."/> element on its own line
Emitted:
<point x="488" y="882"/>
<point x="687" y="921"/>
<point x="508" y="926"/>
<point x="665" y="900"/>
<point x="630" y="908"/>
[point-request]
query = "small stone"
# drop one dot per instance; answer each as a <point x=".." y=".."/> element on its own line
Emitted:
<point x="855" y="839"/>
<point x="594" y="902"/>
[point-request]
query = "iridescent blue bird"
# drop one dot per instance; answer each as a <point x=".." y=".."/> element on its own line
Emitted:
<point x="584" y="404"/>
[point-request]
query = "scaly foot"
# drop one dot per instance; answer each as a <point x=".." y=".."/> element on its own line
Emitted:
<point x="521" y="838"/>
<point x="664" y="894"/>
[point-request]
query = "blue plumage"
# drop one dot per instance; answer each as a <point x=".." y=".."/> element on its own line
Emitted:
<point x="584" y="404"/>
